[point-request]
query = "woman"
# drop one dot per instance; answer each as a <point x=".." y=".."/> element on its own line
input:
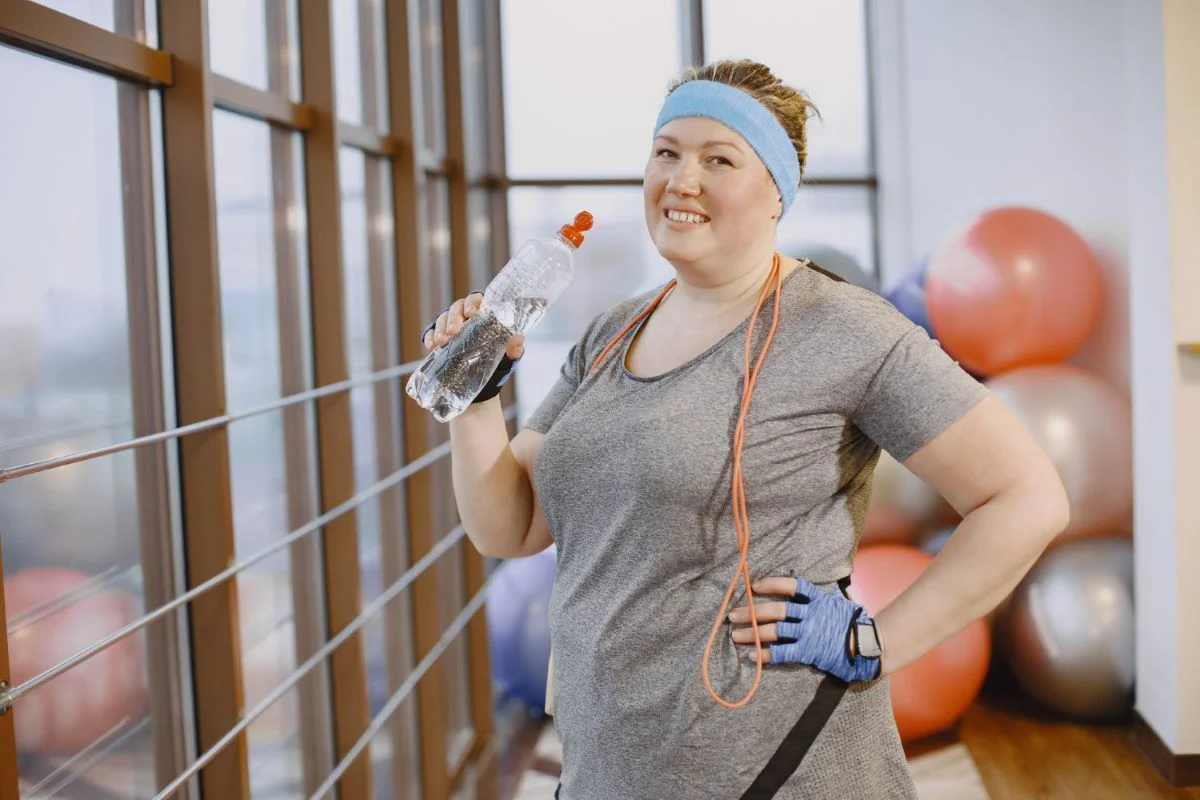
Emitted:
<point x="663" y="482"/>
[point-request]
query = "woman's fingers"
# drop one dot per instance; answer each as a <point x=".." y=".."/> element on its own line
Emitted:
<point x="766" y="634"/>
<point x="455" y="317"/>
<point x="774" y="611"/>
<point x="778" y="620"/>
<point x="780" y="586"/>
<point x="770" y="633"/>
<point x="758" y="654"/>
<point x="516" y="347"/>
<point x="439" y="329"/>
<point x="450" y="322"/>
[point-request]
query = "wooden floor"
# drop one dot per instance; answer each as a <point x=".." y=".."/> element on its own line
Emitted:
<point x="1004" y="748"/>
<point x="1022" y="752"/>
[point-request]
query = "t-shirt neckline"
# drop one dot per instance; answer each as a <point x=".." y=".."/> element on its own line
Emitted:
<point x="720" y="343"/>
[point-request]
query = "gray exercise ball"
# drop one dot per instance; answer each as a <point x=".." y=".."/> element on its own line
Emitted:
<point x="1068" y="632"/>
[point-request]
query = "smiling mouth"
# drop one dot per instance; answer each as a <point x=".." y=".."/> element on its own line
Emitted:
<point x="686" y="217"/>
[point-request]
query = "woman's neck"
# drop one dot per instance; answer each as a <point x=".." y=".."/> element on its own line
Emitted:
<point x="732" y="288"/>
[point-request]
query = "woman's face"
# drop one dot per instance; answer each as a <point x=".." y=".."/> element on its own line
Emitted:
<point x="709" y="198"/>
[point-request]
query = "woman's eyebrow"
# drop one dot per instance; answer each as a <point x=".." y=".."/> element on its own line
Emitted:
<point x="710" y="143"/>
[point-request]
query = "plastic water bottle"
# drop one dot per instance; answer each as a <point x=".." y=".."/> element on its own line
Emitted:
<point x="515" y="301"/>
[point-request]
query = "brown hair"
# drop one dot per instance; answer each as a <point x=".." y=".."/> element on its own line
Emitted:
<point x="790" y="106"/>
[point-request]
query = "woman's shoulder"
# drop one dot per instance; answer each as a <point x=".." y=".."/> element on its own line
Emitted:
<point x="608" y="323"/>
<point x="817" y="304"/>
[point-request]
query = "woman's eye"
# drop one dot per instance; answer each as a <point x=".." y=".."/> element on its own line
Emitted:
<point x="664" y="153"/>
<point x="725" y="162"/>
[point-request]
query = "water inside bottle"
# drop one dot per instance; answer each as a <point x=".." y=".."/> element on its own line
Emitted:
<point x="521" y="313"/>
<point x="452" y="376"/>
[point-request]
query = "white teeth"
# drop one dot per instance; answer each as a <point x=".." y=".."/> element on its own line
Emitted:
<point x="686" y="216"/>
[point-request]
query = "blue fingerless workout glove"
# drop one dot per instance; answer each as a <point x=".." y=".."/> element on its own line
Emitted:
<point x="817" y="633"/>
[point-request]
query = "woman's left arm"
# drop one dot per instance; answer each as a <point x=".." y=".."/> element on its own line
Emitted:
<point x="1013" y="504"/>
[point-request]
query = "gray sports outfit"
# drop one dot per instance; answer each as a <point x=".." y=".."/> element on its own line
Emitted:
<point x="634" y="476"/>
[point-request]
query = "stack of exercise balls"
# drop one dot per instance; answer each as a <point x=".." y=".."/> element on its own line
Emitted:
<point x="1012" y="296"/>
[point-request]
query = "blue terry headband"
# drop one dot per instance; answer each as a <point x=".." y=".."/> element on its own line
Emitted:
<point x="740" y="112"/>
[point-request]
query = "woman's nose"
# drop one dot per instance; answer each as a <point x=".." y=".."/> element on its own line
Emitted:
<point x="684" y="180"/>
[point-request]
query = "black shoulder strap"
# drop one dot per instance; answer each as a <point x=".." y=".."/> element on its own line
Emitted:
<point x="791" y="751"/>
<point x="817" y="268"/>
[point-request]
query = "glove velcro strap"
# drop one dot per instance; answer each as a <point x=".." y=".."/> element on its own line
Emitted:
<point x="504" y="371"/>
<point x="864" y="668"/>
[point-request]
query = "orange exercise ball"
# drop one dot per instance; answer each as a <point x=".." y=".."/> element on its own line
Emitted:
<point x="1015" y="287"/>
<point x="79" y="706"/>
<point x="932" y="693"/>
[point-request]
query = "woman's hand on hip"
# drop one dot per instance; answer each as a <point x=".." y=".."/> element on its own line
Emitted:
<point x="810" y="627"/>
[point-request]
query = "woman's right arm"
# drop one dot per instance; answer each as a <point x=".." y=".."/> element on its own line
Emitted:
<point x="493" y="477"/>
<point x="493" y="483"/>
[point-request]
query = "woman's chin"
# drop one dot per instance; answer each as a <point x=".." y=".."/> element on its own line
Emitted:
<point x="676" y="247"/>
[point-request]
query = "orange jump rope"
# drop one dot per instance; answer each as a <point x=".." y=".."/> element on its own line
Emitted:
<point x="741" y="520"/>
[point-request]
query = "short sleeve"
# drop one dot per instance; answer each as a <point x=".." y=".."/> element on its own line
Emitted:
<point x="917" y="392"/>
<point x="569" y="379"/>
<point x="574" y="370"/>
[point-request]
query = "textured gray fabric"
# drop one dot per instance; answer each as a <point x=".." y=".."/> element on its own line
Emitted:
<point x="634" y="476"/>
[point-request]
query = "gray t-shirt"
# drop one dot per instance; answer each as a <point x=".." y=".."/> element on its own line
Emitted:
<point x="634" y="476"/>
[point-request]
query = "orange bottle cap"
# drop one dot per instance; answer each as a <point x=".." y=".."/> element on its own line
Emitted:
<point x="572" y="231"/>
